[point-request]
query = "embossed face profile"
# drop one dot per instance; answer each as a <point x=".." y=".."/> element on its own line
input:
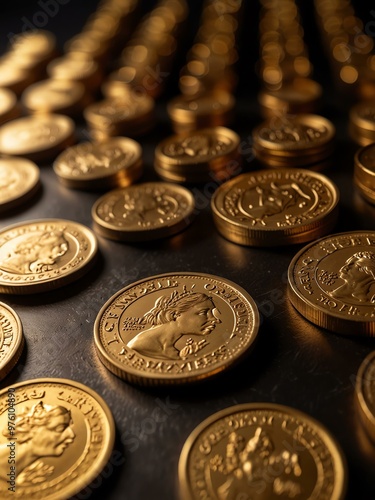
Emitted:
<point x="37" y="253"/>
<point x="358" y="272"/>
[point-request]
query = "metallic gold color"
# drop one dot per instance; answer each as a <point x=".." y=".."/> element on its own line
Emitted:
<point x="275" y="207"/>
<point x="175" y="328"/>
<point x="233" y="452"/>
<point x="63" y="434"/>
<point x="11" y="339"/>
<point x="19" y="181"/>
<point x="9" y="110"/>
<point x="331" y="282"/>
<point x="143" y="212"/>
<point x="365" y="391"/>
<point x="41" y="255"/>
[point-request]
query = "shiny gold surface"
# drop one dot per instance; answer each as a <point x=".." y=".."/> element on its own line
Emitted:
<point x="62" y="436"/>
<point x="151" y="332"/>
<point x="261" y="451"/>
<point x="143" y="212"/>
<point x="19" y="180"/>
<point x="11" y="339"/>
<point x="40" y="255"/>
<point x="331" y="282"/>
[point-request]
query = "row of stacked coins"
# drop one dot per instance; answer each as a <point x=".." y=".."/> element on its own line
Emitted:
<point x="349" y="48"/>
<point x="207" y="80"/>
<point x="284" y="66"/>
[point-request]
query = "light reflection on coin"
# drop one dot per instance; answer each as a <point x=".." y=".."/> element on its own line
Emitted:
<point x="175" y="328"/>
<point x="63" y="435"/>
<point x="19" y="180"/>
<point x="40" y="255"/>
<point x="332" y="282"/>
<point x="11" y="339"/>
<point x="365" y="393"/>
<point x="259" y="451"/>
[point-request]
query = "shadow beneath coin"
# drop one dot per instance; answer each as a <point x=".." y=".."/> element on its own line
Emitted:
<point x="19" y="209"/>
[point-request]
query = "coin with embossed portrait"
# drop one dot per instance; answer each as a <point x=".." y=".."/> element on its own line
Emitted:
<point x="275" y="207"/>
<point x="56" y="436"/>
<point x="41" y="255"/>
<point x="175" y="328"/>
<point x="261" y="451"/>
<point x="365" y="394"/>
<point x="143" y="212"/>
<point x="38" y="137"/>
<point x="332" y="282"/>
<point x="19" y="181"/>
<point x="11" y="339"/>
<point x="114" y="162"/>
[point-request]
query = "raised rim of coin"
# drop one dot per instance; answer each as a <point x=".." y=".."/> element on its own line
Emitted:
<point x="165" y="359"/>
<point x="89" y="414"/>
<point x="295" y="201"/>
<point x="22" y="181"/>
<point x="359" y="120"/>
<point x="11" y="339"/>
<point x="332" y="291"/>
<point x="365" y="393"/>
<point x="163" y="210"/>
<point x="57" y="252"/>
<point x="231" y="423"/>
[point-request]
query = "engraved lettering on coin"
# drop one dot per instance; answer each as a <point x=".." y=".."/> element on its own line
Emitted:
<point x="42" y="431"/>
<point x="198" y="145"/>
<point x="36" y="254"/>
<point x="358" y="274"/>
<point x="172" y="317"/>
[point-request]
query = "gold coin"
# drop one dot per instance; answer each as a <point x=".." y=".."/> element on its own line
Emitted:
<point x="175" y="328"/>
<point x="261" y="450"/>
<point x="14" y="78"/>
<point x="331" y="282"/>
<point x="19" y="180"/>
<point x="37" y="137"/>
<point x="76" y="67"/>
<point x="193" y="152"/>
<point x="57" y="436"/>
<point x="114" y="162"/>
<point x="41" y="255"/>
<point x="55" y="96"/>
<point x="365" y="391"/>
<point x="270" y="207"/>
<point x="143" y="212"/>
<point x="8" y="106"/>
<point x="362" y="116"/>
<point x="297" y="134"/>
<point x="38" y="45"/>
<point x="11" y="339"/>
<point x="364" y="166"/>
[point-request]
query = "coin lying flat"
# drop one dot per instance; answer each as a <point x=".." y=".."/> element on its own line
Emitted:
<point x="8" y="105"/>
<point x="61" y="433"/>
<point x="275" y="207"/>
<point x="332" y="282"/>
<point x="261" y="451"/>
<point x="114" y="162"/>
<point x="19" y="180"/>
<point x="143" y="212"/>
<point x="37" y="137"/>
<point x="41" y="255"/>
<point x="175" y="328"/>
<point x="11" y="339"/>
<point x="365" y="391"/>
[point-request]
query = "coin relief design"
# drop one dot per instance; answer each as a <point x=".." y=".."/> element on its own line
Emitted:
<point x="261" y="451"/>
<point x="152" y="330"/>
<point x="198" y="145"/>
<point x="40" y="253"/>
<point x="11" y="339"/>
<point x="62" y="435"/>
<point x="335" y="279"/>
<point x="18" y="178"/>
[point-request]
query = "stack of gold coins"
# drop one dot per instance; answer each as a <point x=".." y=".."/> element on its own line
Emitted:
<point x="296" y="141"/>
<point x="115" y="162"/>
<point x="284" y="64"/>
<point x="143" y="212"/>
<point x="275" y="207"/>
<point x="365" y="389"/>
<point x="206" y="110"/>
<point x="201" y="156"/>
<point x="362" y="123"/>
<point x="9" y="109"/>
<point x="364" y="172"/>
<point x="129" y="115"/>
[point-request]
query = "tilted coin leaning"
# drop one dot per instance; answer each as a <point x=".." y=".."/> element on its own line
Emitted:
<point x="41" y="255"/>
<point x="175" y="328"/>
<point x="332" y="282"/>
<point x="56" y="437"/>
<point x="261" y="451"/>
<point x="11" y="339"/>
